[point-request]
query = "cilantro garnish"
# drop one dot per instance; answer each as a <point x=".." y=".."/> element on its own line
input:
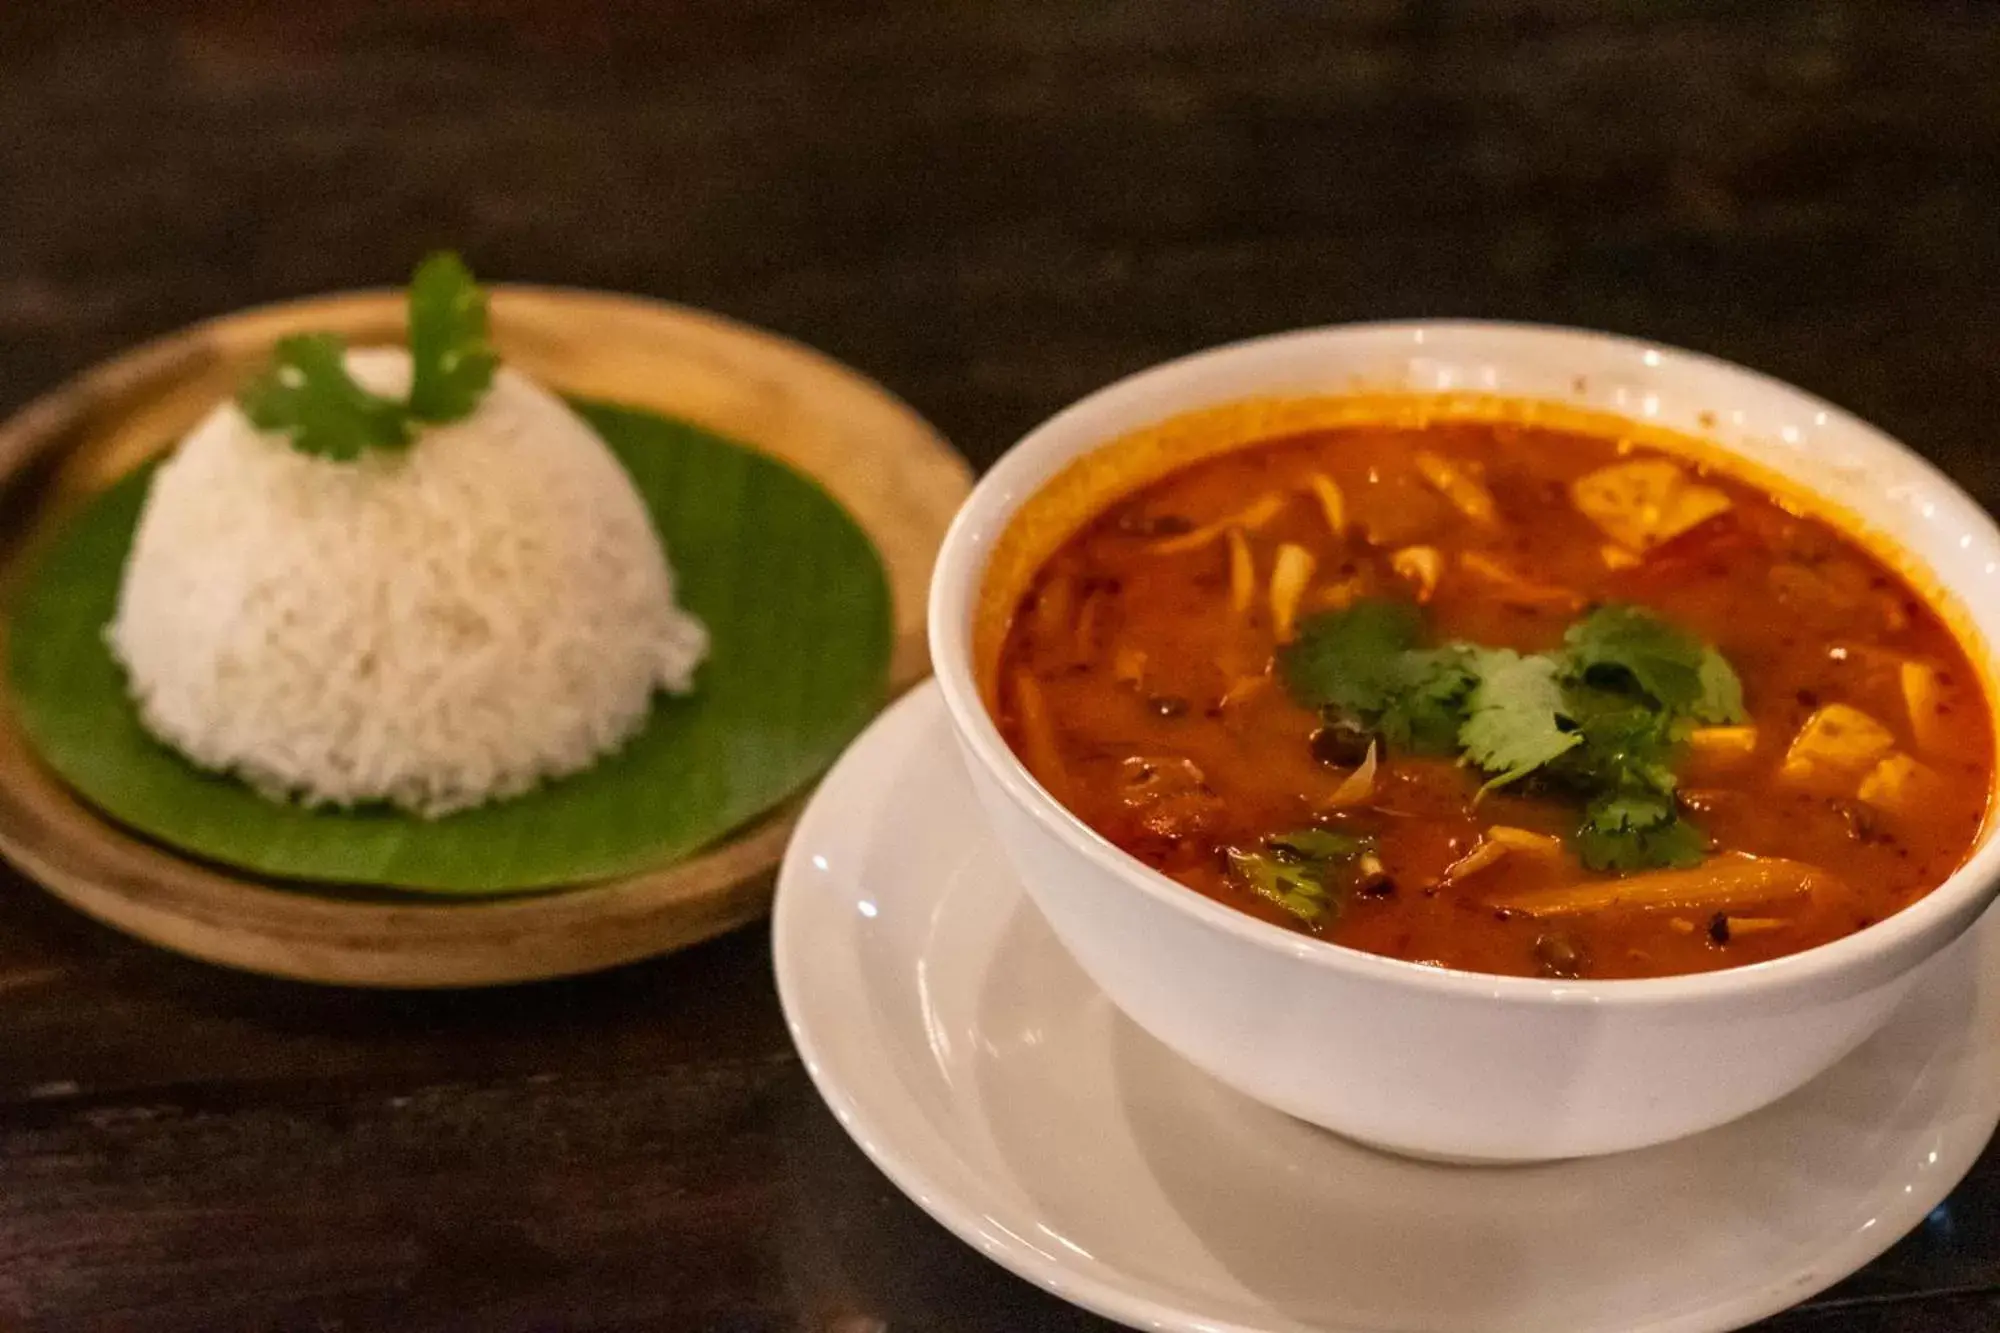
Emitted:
<point x="1515" y="719"/>
<point x="307" y="396"/>
<point x="1296" y="870"/>
<point x="1637" y="830"/>
<point x="1363" y="663"/>
<point x="1602" y="719"/>
<point x="1320" y="844"/>
<point x="1351" y="660"/>
<point x="451" y="361"/>
<point x="1428" y="715"/>
<point x="1624" y="647"/>
<point x="1721" y="702"/>
<point x="1624" y="742"/>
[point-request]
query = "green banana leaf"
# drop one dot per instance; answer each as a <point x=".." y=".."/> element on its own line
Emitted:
<point x="796" y="601"/>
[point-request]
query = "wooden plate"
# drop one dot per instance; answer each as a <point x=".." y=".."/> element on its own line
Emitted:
<point x="883" y="462"/>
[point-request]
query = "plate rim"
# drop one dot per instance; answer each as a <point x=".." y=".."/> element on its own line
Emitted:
<point x="1773" y="1295"/>
<point x="258" y="924"/>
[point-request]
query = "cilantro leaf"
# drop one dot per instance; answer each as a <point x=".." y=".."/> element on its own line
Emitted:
<point x="1624" y="763"/>
<point x="1298" y="887"/>
<point x="1515" y="720"/>
<point x="1294" y="870"/>
<point x="1351" y="660"/>
<point x="1428" y="709"/>
<point x="1603" y="718"/>
<point x="1625" y="743"/>
<point x="1363" y="663"/>
<point x="1625" y="648"/>
<point x="1637" y="830"/>
<point x="1320" y="844"/>
<point x="451" y="359"/>
<point x="307" y="395"/>
<point x="1721" y="692"/>
<point x="1619" y="647"/>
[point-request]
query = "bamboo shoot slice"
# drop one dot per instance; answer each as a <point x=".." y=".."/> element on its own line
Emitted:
<point x="1242" y="572"/>
<point x="1525" y="840"/>
<point x="1252" y="516"/>
<point x="1466" y="492"/>
<point x="1290" y="573"/>
<point x="1514" y="588"/>
<point x="1332" y="503"/>
<point x="1724" y="884"/>
<point x="1423" y="566"/>
<point x="1358" y="786"/>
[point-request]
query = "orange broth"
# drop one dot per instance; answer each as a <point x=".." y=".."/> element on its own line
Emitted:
<point x="1137" y="683"/>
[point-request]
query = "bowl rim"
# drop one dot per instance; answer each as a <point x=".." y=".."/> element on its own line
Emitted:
<point x="1030" y="463"/>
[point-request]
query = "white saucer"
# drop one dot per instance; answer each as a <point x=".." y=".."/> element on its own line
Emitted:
<point x="980" y="1069"/>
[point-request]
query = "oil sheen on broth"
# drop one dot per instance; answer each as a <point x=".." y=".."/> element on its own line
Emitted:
<point x="1167" y="676"/>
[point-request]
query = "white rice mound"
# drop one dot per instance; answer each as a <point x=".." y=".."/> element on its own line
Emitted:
<point x="435" y="628"/>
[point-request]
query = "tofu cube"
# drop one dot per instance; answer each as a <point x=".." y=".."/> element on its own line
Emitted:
<point x="1723" y="745"/>
<point x="1836" y="746"/>
<point x="1923" y="695"/>
<point x="1646" y="501"/>
<point x="1900" y="785"/>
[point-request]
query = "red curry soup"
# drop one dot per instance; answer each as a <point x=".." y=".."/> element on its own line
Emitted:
<point x="1501" y="697"/>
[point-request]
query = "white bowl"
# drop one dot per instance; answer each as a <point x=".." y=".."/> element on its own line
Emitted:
<point x="1421" y="1060"/>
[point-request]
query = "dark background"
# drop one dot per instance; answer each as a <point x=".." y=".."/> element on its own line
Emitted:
<point x="992" y="208"/>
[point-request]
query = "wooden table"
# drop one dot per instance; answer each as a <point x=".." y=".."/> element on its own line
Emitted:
<point x="993" y="208"/>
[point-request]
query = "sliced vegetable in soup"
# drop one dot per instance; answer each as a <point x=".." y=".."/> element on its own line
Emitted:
<point x="1501" y="698"/>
